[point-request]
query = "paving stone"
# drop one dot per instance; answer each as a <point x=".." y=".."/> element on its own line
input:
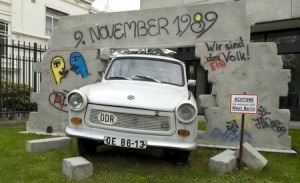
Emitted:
<point x="42" y="145"/>
<point x="251" y="157"/>
<point x="77" y="168"/>
<point x="223" y="162"/>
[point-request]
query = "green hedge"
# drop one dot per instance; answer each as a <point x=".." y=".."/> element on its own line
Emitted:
<point x="15" y="97"/>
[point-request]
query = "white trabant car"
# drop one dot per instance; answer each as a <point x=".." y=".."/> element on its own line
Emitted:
<point x="142" y="102"/>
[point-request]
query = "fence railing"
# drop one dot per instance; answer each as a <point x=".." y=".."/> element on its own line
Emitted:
<point x="17" y="77"/>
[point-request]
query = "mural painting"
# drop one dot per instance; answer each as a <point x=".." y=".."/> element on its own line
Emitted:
<point x="78" y="64"/>
<point x="58" y="69"/>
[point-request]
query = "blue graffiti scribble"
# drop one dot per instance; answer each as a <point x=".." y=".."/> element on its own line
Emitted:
<point x="229" y="135"/>
<point x="78" y="64"/>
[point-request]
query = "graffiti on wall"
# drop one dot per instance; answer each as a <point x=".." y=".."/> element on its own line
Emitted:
<point x="226" y="52"/>
<point x="263" y="121"/>
<point x="232" y="126"/>
<point x="58" y="100"/>
<point x="231" y="133"/>
<point x="58" y="69"/>
<point x="78" y="64"/>
<point x="197" y="24"/>
<point x="215" y="62"/>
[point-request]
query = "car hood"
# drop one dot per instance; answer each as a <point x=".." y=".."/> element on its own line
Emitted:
<point x="147" y="95"/>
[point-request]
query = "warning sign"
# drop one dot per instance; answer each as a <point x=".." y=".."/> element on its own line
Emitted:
<point x="243" y="103"/>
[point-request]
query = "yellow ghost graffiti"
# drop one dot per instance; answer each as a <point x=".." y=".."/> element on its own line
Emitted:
<point x="58" y="69"/>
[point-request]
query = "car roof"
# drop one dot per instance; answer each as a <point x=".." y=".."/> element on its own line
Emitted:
<point x="148" y="56"/>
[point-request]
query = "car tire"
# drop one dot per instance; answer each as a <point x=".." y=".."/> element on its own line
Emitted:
<point x="181" y="157"/>
<point x="86" y="147"/>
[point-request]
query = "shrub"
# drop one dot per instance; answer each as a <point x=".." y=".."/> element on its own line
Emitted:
<point x="15" y="97"/>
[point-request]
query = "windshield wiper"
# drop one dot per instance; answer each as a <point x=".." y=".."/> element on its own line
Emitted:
<point x="119" y="77"/>
<point x="149" y="78"/>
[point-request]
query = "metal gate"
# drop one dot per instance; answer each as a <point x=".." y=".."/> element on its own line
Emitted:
<point x="17" y="77"/>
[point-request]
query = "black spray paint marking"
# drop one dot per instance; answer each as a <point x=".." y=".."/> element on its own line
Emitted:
<point x="184" y="24"/>
<point x="230" y="51"/>
<point x="263" y="121"/>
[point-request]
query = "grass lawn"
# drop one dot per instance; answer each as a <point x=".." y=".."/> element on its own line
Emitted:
<point x="115" y="165"/>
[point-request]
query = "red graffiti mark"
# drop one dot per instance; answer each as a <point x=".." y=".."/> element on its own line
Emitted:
<point x="59" y="98"/>
<point x="217" y="65"/>
<point x="215" y="62"/>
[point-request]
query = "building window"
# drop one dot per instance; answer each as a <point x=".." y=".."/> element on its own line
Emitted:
<point x="52" y="17"/>
<point x="3" y="36"/>
<point x="288" y="47"/>
<point x="3" y="31"/>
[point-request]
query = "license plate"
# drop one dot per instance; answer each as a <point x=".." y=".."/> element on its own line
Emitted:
<point x="122" y="142"/>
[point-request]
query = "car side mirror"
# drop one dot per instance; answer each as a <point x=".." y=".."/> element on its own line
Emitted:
<point x="191" y="82"/>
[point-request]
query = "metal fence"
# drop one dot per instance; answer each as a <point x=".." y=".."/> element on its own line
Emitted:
<point x="17" y="77"/>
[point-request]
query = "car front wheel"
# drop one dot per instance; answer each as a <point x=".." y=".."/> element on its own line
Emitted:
<point x="86" y="147"/>
<point x="181" y="157"/>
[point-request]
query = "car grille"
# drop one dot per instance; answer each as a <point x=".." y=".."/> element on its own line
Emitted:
<point x="134" y="121"/>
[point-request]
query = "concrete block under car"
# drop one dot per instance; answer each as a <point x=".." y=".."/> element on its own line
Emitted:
<point x="77" y="168"/>
<point x="223" y="162"/>
<point x="42" y="145"/>
<point x="251" y="157"/>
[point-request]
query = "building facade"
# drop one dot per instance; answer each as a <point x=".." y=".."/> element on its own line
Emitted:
<point x="274" y="21"/>
<point x="34" y="20"/>
<point x="25" y="28"/>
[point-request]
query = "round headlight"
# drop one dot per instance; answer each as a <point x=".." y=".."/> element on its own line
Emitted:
<point x="186" y="112"/>
<point x="77" y="100"/>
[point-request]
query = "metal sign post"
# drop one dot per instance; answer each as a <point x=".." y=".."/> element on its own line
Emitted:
<point x="241" y="143"/>
<point x="243" y="104"/>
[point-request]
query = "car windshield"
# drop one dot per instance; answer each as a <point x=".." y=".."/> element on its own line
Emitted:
<point x="152" y="70"/>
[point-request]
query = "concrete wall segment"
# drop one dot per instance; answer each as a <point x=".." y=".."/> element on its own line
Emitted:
<point x="295" y="8"/>
<point x="221" y="34"/>
<point x="188" y="2"/>
<point x="166" y="27"/>
<point x="235" y="67"/>
<point x="146" y="4"/>
<point x="269" y="10"/>
<point x="260" y="10"/>
<point x="52" y="109"/>
<point x="207" y="101"/>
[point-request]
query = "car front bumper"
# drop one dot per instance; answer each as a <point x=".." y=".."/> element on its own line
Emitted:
<point x="166" y="142"/>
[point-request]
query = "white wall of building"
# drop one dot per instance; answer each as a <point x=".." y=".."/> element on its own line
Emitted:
<point x="5" y="10"/>
<point x="27" y="18"/>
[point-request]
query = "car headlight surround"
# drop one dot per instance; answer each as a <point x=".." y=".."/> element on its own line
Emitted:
<point x="186" y="112"/>
<point x="76" y="100"/>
